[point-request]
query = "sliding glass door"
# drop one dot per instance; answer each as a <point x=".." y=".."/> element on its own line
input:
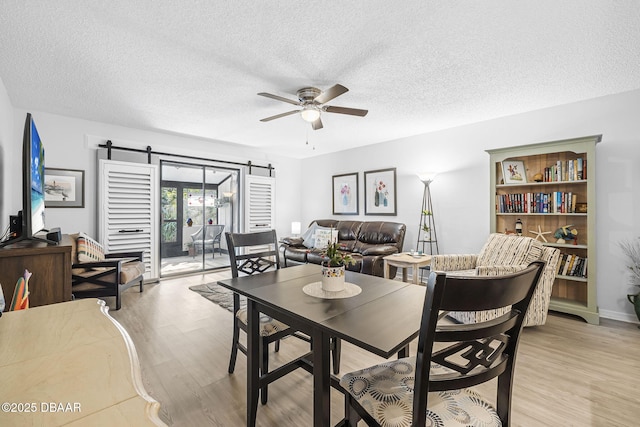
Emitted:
<point x="198" y="204"/>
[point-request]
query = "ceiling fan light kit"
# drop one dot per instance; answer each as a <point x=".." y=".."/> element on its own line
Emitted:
<point x="312" y="101"/>
<point x="310" y="114"/>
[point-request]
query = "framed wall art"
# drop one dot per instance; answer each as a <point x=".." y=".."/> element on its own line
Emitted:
<point x="513" y="172"/>
<point x="380" y="192"/>
<point x="63" y="188"/>
<point x="345" y="194"/>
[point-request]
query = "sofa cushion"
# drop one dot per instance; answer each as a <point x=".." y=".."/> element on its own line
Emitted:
<point x="293" y="241"/>
<point x="502" y="249"/>
<point x="131" y="271"/>
<point x="297" y="254"/>
<point x="315" y="256"/>
<point x="378" y="250"/>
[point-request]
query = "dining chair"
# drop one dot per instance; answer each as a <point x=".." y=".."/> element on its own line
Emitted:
<point x="252" y="253"/>
<point x="207" y="238"/>
<point x="433" y="385"/>
<point x="216" y="232"/>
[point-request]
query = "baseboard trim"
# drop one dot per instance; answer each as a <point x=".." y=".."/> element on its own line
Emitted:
<point x="616" y="315"/>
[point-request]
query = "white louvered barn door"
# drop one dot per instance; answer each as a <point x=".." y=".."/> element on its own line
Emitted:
<point x="128" y="210"/>
<point x="259" y="204"/>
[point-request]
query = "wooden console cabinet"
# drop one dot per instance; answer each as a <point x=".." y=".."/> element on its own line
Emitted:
<point x="50" y="266"/>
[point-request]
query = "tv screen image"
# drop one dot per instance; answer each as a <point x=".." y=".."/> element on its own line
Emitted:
<point x="37" y="179"/>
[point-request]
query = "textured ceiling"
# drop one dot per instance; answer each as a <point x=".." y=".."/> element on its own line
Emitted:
<point x="195" y="67"/>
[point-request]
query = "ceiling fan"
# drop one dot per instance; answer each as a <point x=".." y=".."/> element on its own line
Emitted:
<point x="312" y="101"/>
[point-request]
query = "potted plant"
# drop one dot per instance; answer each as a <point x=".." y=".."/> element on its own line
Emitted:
<point x="333" y="266"/>
<point x="632" y="250"/>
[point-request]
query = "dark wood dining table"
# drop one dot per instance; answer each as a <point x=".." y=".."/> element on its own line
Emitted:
<point x="382" y="319"/>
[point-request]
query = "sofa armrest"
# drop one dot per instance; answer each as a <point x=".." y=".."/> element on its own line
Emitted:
<point x="497" y="270"/>
<point x="293" y="241"/>
<point x="453" y="262"/>
<point x="380" y="250"/>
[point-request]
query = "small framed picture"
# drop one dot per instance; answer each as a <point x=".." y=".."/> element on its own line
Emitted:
<point x="345" y="194"/>
<point x="380" y="192"/>
<point x="513" y="172"/>
<point x="63" y="188"/>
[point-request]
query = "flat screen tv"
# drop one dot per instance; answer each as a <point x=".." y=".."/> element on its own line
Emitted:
<point x="33" y="215"/>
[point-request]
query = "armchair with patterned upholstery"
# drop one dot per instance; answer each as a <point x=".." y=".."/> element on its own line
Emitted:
<point x="504" y="254"/>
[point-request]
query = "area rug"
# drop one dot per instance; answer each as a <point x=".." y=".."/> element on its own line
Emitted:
<point x="218" y="295"/>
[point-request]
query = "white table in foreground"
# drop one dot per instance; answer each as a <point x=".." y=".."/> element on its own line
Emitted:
<point x="71" y="364"/>
<point x="405" y="261"/>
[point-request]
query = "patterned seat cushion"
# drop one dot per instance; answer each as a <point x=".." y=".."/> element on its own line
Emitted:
<point x="268" y="325"/>
<point x="386" y="392"/>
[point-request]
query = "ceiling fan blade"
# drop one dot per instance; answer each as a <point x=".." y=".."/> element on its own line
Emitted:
<point x="279" y="98"/>
<point x="329" y="94"/>
<point x="344" y="110"/>
<point x="316" y="124"/>
<point x="277" y="116"/>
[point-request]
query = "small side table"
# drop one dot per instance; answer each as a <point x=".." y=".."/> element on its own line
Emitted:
<point x="405" y="261"/>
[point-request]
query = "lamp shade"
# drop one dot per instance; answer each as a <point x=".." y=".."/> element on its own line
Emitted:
<point x="427" y="177"/>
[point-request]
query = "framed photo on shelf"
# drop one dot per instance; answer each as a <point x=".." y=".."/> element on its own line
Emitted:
<point x="513" y="172"/>
<point x="345" y="194"/>
<point x="63" y="188"/>
<point x="380" y="192"/>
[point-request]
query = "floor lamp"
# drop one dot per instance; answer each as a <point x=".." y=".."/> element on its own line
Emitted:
<point x="427" y="220"/>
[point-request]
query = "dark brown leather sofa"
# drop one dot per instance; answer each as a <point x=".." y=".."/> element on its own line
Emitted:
<point x="367" y="242"/>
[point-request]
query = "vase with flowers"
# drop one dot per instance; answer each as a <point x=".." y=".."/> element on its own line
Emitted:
<point x="632" y="250"/>
<point x="333" y="266"/>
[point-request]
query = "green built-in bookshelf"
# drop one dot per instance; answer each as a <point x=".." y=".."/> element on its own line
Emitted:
<point x="548" y="186"/>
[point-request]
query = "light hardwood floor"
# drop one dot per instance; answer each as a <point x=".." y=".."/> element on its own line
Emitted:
<point x="568" y="373"/>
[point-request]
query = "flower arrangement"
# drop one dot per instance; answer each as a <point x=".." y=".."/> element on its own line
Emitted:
<point x="631" y="249"/>
<point x="335" y="258"/>
<point x="382" y="188"/>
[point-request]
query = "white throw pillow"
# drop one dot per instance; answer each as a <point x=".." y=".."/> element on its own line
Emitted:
<point x="323" y="236"/>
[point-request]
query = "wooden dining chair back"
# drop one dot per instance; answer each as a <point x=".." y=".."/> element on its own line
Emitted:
<point x="255" y="253"/>
<point x="434" y="385"/>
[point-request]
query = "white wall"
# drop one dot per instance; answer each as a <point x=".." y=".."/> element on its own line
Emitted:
<point x="7" y="154"/>
<point x="71" y="143"/>
<point x="460" y="192"/>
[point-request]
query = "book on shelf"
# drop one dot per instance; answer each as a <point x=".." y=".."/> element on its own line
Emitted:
<point x="579" y="169"/>
<point x="554" y="202"/>
<point x="572" y="265"/>
<point x="568" y="170"/>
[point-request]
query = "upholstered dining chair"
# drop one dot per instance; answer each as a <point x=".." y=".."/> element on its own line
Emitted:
<point x="252" y="253"/>
<point x="433" y="385"/>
